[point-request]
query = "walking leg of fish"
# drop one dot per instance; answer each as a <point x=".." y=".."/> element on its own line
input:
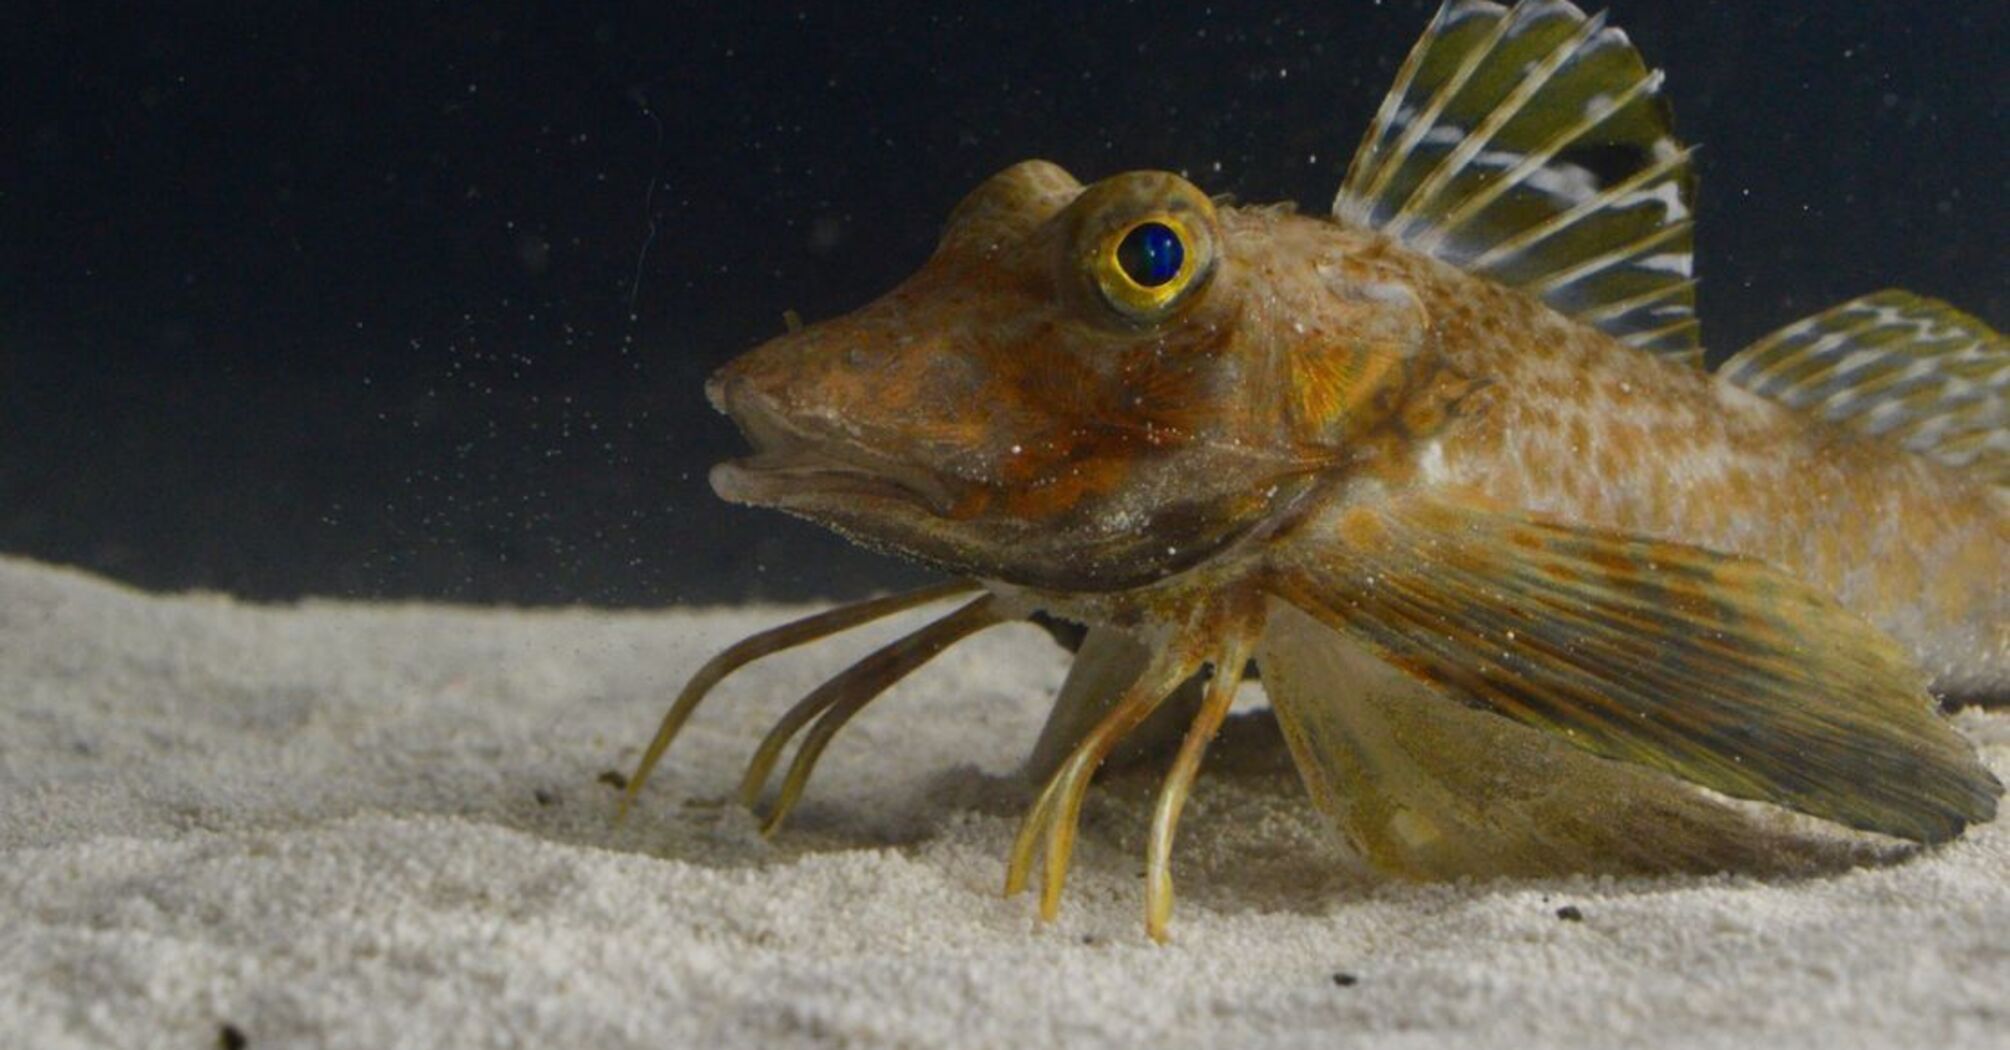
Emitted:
<point x="1107" y="660"/>
<point x="851" y="689"/>
<point x="1051" y="823"/>
<point x="836" y="701"/>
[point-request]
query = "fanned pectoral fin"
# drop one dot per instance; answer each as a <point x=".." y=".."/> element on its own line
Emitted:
<point x="1715" y="668"/>
<point x="1427" y="787"/>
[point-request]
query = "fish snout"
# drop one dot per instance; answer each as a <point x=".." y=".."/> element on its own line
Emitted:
<point x="753" y="381"/>
<point x="715" y="389"/>
<point x="824" y="371"/>
<point x="808" y="444"/>
<point x="758" y="408"/>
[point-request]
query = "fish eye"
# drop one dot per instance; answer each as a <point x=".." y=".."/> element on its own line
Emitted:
<point x="1145" y="267"/>
<point x="1151" y="254"/>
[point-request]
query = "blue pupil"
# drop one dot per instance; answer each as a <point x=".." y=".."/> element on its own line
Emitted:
<point x="1151" y="254"/>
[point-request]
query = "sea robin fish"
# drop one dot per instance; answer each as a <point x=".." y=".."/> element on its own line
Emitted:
<point x="1443" y="467"/>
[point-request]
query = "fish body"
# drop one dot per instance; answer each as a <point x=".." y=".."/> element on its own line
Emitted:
<point x="1577" y="425"/>
<point x="1516" y="569"/>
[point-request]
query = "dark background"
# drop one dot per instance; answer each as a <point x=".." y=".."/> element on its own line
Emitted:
<point x="417" y="300"/>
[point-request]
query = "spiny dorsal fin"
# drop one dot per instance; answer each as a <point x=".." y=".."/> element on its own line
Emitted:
<point x="1895" y="364"/>
<point x="1533" y="146"/>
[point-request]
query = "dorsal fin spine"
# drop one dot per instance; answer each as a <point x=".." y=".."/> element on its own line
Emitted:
<point x="1427" y="119"/>
<point x="1411" y="213"/>
<point x="1654" y="335"/>
<point x="1533" y="162"/>
<point x="1601" y="262"/>
<point x="1592" y="206"/>
<point x="1356" y="209"/>
<point x="1622" y="307"/>
<point x="1530" y="145"/>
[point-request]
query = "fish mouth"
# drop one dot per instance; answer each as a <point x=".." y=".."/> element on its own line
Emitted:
<point x="797" y="466"/>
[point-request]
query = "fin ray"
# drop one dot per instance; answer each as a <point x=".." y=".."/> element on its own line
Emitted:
<point x="1898" y="366"/>
<point x="1414" y="214"/>
<point x="1715" y="668"/>
<point x="1106" y="664"/>
<point x="1531" y="145"/>
<point x="1441" y="38"/>
<point x="1425" y="786"/>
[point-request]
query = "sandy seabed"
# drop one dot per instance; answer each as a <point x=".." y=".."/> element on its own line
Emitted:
<point x="352" y="825"/>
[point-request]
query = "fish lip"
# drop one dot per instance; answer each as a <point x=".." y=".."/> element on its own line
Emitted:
<point x="795" y="465"/>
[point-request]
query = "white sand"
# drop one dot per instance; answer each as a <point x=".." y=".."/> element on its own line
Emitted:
<point x="323" y="825"/>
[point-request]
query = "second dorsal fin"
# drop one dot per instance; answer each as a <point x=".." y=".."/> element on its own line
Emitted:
<point x="1533" y="146"/>
<point x="1912" y="369"/>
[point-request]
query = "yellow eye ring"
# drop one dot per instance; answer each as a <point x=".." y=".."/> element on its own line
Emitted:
<point x="1145" y="267"/>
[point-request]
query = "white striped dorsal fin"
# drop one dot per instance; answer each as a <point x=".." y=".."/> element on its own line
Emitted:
<point x="1914" y="370"/>
<point x="1533" y="146"/>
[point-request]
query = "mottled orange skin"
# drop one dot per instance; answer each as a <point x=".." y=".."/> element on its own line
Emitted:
<point x="1117" y="470"/>
<point x="1578" y="426"/>
<point x="1052" y="442"/>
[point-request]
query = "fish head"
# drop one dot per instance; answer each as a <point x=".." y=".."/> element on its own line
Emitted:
<point x="1083" y="388"/>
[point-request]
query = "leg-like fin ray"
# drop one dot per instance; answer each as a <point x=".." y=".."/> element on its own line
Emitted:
<point x="845" y="696"/>
<point x="767" y="643"/>
<point x="1058" y="809"/>
<point x="1107" y="662"/>
<point x="1220" y="695"/>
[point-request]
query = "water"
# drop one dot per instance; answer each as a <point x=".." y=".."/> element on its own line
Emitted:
<point x="297" y="301"/>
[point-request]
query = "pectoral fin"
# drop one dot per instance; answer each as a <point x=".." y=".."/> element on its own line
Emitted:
<point x="1426" y="787"/>
<point x="1715" y="668"/>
